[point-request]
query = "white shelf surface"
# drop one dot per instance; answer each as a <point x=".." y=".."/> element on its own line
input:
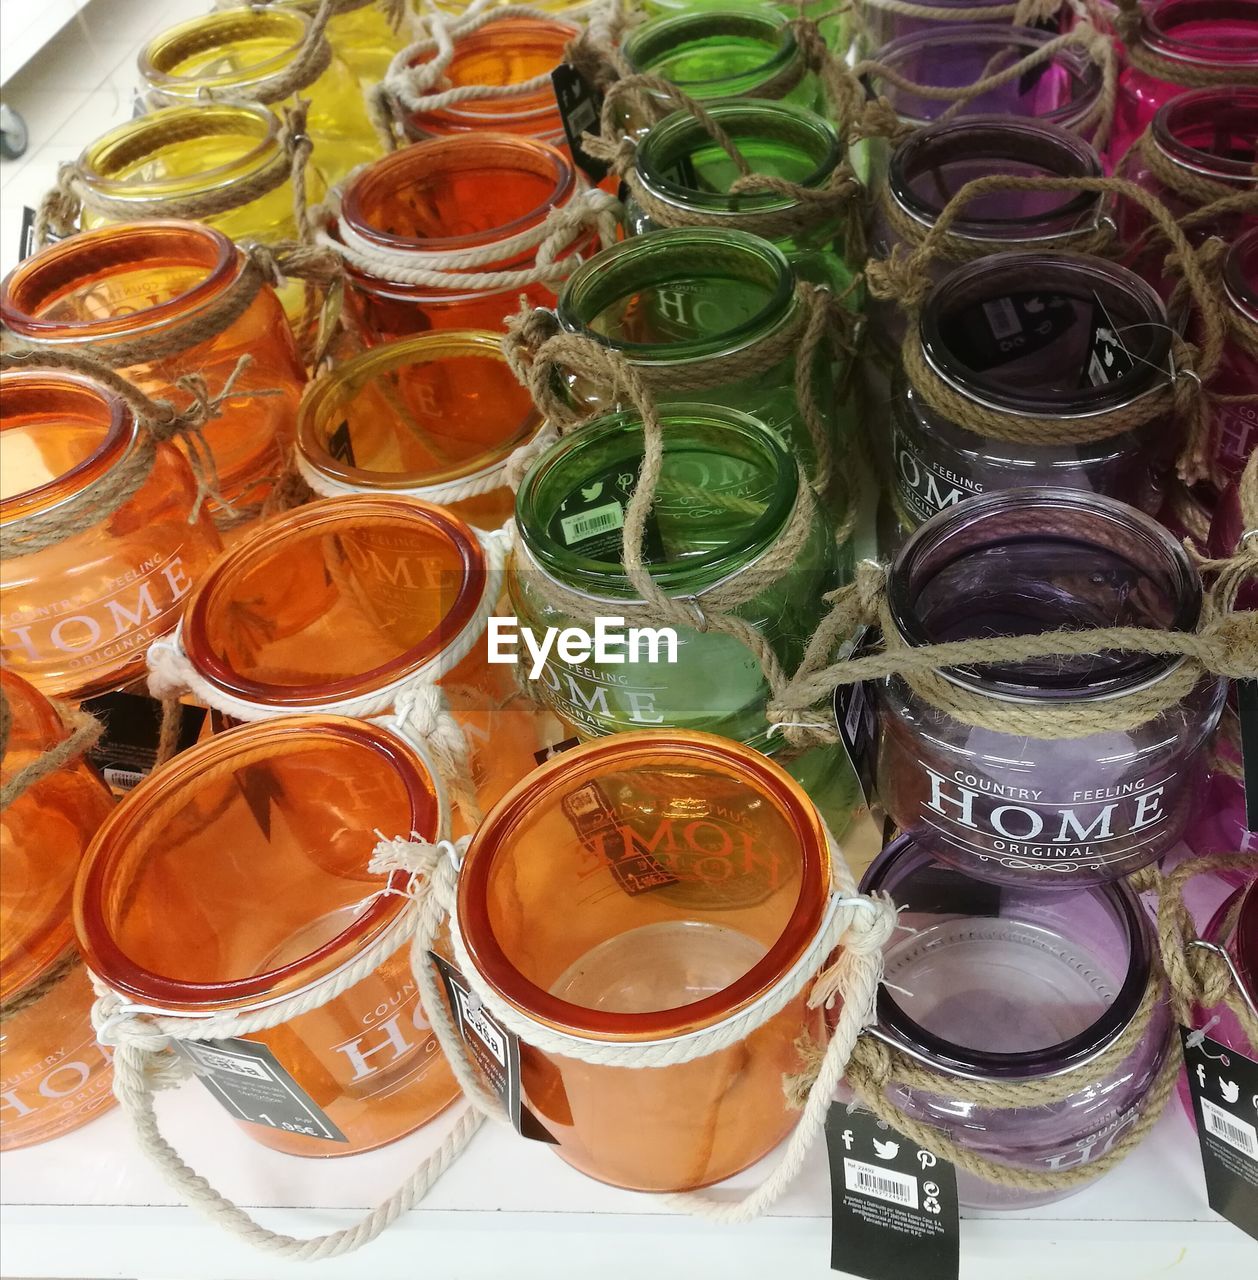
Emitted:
<point x="89" y="1206"/>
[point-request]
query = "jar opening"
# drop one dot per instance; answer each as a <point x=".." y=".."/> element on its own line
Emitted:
<point x="930" y="167"/>
<point x="456" y="192"/>
<point x="338" y="599"/>
<point x="1240" y="275"/>
<point x="1000" y="982"/>
<point x="1220" y="33"/>
<point x="1047" y="334"/>
<point x="256" y="844"/>
<point x="678" y="159"/>
<point x="1026" y="561"/>
<point x="725" y="892"/>
<point x="702" y="53"/>
<point x="59" y="433"/>
<point x="1211" y="132"/>
<point x="727" y="488"/>
<point x="119" y="279"/>
<point x="419" y="412"/>
<point x="679" y="295"/>
<point x="229" y="48"/>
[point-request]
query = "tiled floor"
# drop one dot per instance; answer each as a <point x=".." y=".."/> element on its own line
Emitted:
<point x="79" y="86"/>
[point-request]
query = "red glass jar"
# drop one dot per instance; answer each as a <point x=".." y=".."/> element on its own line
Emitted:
<point x="53" y="1075"/>
<point x="449" y="196"/>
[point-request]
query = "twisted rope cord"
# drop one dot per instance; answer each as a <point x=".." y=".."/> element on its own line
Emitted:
<point x="1134" y="32"/>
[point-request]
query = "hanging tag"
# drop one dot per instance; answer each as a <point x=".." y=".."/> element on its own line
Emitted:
<point x="494" y="1049"/>
<point x="590" y="519"/>
<point x="593" y="818"/>
<point x="894" y="1204"/>
<point x="341" y="445"/>
<point x="247" y="1078"/>
<point x="1108" y="358"/>
<point x="127" y="751"/>
<point x="857" y="718"/>
<point x="1224" y="1088"/>
<point x="1247" y="707"/>
<point x="555" y="749"/>
<point x="580" y="108"/>
<point x="985" y="335"/>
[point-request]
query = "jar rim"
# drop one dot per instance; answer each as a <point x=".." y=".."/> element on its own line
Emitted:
<point x="611" y="274"/>
<point x="951" y="1058"/>
<point x="120" y="434"/>
<point x="1158" y="23"/>
<point x="216" y="29"/>
<point x="1077" y="159"/>
<point x="577" y="572"/>
<point x="328" y="513"/>
<point x="1140" y="670"/>
<point x="34" y="280"/>
<point x="340" y="386"/>
<point x="668" y="29"/>
<point x="1204" y="106"/>
<point x="590" y="759"/>
<point x="1240" y="275"/>
<point x="388" y="900"/>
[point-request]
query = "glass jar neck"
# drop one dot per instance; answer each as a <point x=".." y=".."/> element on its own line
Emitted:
<point x="1210" y="33"/>
<point x="1210" y="132"/>
<point x="1240" y="276"/>
<point x="1026" y="561"/>
<point x="198" y="264"/>
<point x="777" y="140"/>
<point x="931" y="166"/>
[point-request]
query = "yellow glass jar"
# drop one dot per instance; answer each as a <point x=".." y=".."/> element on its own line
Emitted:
<point x="431" y="417"/>
<point x="251" y="53"/>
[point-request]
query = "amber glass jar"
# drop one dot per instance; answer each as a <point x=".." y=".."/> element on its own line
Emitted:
<point x="429" y="416"/>
<point x="349" y="601"/>
<point x="215" y="152"/>
<point x="238" y="875"/>
<point x="76" y="617"/>
<point x="148" y="284"/>
<point x="638" y="890"/>
<point x="245" y="53"/>
<point x="449" y="196"/>
<point x="507" y="52"/>
<point x="53" y="1076"/>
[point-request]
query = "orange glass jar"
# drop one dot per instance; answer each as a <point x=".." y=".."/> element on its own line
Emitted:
<point x="428" y="206"/>
<point x="77" y="617"/>
<point x="238" y="875"/>
<point x="53" y="1075"/>
<point x="428" y="417"/>
<point x="155" y="287"/>
<point x="508" y="52"/>
<point x="340" y="606"/>
<point x="638" y="890"/>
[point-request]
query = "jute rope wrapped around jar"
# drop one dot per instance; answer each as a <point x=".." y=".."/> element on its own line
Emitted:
<point x="1025" y="13"/>
<point x="1129" y="22"/>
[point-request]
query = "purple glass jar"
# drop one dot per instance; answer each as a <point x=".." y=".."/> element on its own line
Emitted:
<point x="987" y="986"/>
<point x="1065" y="90"/>
<point x="882" y="25"/>
<point x="1059" y="338"/>
<point x="1221" y="825"/>
<point x="997" y="799"/>
<point x="1209" y="38"/>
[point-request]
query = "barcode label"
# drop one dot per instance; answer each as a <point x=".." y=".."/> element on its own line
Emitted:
<point x="588" y="523"/>
<point x="883" y="1184"/>
<point x="1002" y="317"/>
<point x="123" y="779"/>
<point x="1230" y="1129"/>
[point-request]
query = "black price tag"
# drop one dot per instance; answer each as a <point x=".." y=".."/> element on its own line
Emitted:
<point x="988" y="334"/>
<point x="580" y="108"/>
<point x="590" y="520"/>
<point x="1247" y="706"/>
<point x="494" y="1049"/>
<point x="555" y="749"/>
<point x="249" y="1081"/>
<point x="894" y="1203"/>
<point x="1108" y="357"/>
<point x="1224" y="1087"/>
<point x="127" y="751"/>
<point x="857" y="718"/>
<point x="341" y="445"/>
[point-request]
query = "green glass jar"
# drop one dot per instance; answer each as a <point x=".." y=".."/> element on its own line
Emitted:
<point x="707" y="317"/>
<point x="682" y="177"/>
<point x="832" y="22"/>
<point x="728" y="494"/>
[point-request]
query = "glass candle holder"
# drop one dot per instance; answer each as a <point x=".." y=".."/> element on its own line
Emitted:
<point x="1055" y="337"/>
<point x="507" y="52"/>
<point x="1215" y="38"/>
<point x="879" y="26"/>
<point x="237" y="875"/>
<point x="685" y="176"/>
<point x="1048" y="812"/>
<point x="1234" y="426"/>
<point x="241" y="53"/>
<point x="833" y="25"/>
<point x="77" y="617"/>
<point x="146" y="167"/>
<point x="1015" y="987"/>
<point x="1227" y="528"/>
<point x="723" y="891"/>
<point x="360" y="34"/>
<point x="1064" y="90"/>
<point x="425" y="417"/>
<point x="357" y="598"/>
<point x="142" y="283"/>
<point x="450" y="195"/>
<point x="1233" y="931"/>
<point x="678" y="304"/>
<point x="53" y="1075"/>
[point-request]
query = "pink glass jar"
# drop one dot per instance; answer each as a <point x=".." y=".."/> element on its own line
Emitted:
<point x="1217" y="39"/>
<point x="1234" y="426"/>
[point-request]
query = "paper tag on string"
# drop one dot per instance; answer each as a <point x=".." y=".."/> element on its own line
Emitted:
<point x="580" y="108"/>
